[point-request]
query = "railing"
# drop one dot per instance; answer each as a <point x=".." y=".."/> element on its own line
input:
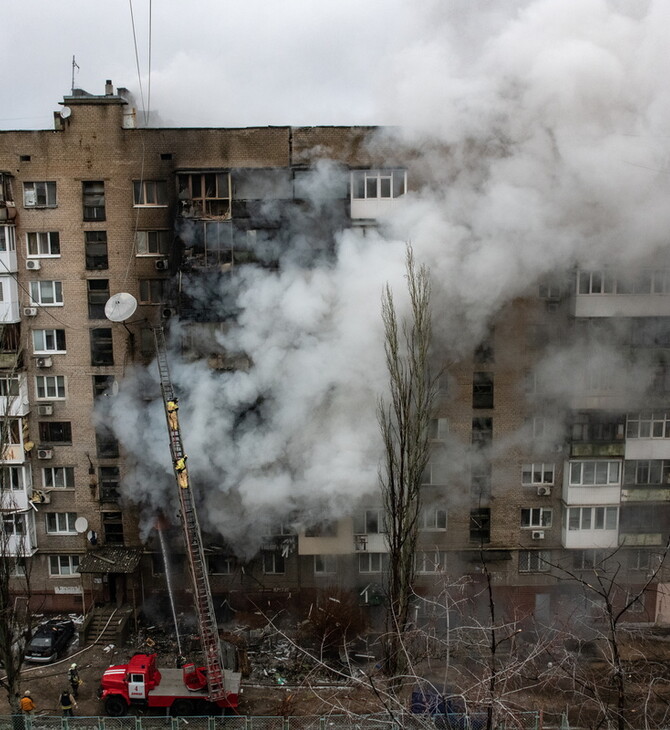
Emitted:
<point x="383" y="721"/>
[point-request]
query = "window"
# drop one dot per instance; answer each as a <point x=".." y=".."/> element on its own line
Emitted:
<point x="61" y="522"/>
<point x="482" y="390"/>
<point x="370" y="562"/>
<point x="538" y="427"/>
<point x="323" y="529"/>
<point x="482" y="432"/>
<point x="107" y="446"/>
<point x="537" y="473"/>
<point x="648" y="425"/>
<point x="369" y="522"/>
<point x="46" y="293"/>
<point x="433" y="518"/>
<point x="98" y="294"/>
<point x="639" y="560"/>
<point x="103" y="385"/>
<point x="152" y="243"/>
<point x="595" y="282"/>
<point x="536" y="517"/>
<point x="96" y="250"/>
<point x="594" y="473"/>
<point x="63" y="564"/>
<point x="480" y="479"/>
<point x="484" y="352"/>
<point x="93" y="200"/>
<point x="43" y="244"/>
<point x="273" y="562"/>
<point x="645" y="472"/>
<point x="588" y="559"/>
<point x="150" y="192"/>
<point x="11" y="477"/>
<point x="480" y="525"/>
<point x="9" y="386"/>
<point x="593" y="518"/>
<point x="438" y="428"/>
<point x="52" y="432"/>
<point x="7" y="238"/>
<point x="534" y="561"/>
<point x="205" y="193"/>
<point x="18" y="568"/>
<point x="221" y="564"/>
<point x="58" y="477"/>
<point x="151" y="291"/>
<point x="325" y="564"/>
<point x="590" y="429"/>
<point x="13" y="524"/>
<point x="14" y="428"/>
<point x="45" y="341"/>
<point x="39" y="194"/>
<point x="102" y="350"/>
<point x="112" y="525"/>
<point x="109" y="479"/>
<point x="430" y="561"/>
<point x="50" y="387"/>
<point x="366" y="184"/>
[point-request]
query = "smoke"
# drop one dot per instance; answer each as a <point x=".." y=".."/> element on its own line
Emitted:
<point x="536" y="138"/>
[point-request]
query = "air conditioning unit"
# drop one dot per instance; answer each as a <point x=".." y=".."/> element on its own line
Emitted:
<point x="544" y="491"/>
<point x="43" y="362"/>
<point x="30" y="311"/>
<point x="537" y="534"/>
<point x="44" y="452"/>
<point x="161" y="265"/>
<point x="33" y="265"/>
<point x="45" y="409"/>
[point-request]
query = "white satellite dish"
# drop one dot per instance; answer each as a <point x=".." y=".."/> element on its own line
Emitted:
<point x="81" y="525"/>
<point x="65" y="112"/>
<point x="121" y="306"/>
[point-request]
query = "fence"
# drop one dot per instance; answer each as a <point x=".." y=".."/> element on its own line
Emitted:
<point x="400" y="721"/>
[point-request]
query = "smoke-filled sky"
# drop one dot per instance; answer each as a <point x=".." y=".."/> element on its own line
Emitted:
<point x="541" y="131"/>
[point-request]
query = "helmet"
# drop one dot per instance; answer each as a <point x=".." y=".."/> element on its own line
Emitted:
<point x="26" y="693"/>
<point x="73" y="666"/>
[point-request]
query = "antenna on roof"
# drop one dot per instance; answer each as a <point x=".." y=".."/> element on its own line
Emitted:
<point x="74" y="65"/>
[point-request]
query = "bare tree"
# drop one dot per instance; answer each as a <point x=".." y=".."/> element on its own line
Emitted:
<point x="404" y="423"/>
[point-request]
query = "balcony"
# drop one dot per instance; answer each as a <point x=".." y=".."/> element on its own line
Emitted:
<point x="641" y="539"/>
<point x="8" y="262"/>
<point x="591" y="482"/>
<point x="644" y="494"/>
<point x="9" y="306"/>
<point x="20" y="533"/>
<point x="14" y="401"/>
<point x="605" y="293"/>
<point x="374" y="193"/>
<point x="373" y="543"/>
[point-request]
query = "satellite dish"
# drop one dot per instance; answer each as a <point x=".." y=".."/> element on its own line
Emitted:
<point x="81" y="525"/>
<point x="121" y="306"/>
<point x="65" y="112"/>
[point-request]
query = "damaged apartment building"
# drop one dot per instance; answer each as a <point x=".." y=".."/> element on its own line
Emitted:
<point x="99" y="205"/>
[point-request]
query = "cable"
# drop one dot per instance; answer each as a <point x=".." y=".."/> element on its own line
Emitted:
<point x="137" y="59"/>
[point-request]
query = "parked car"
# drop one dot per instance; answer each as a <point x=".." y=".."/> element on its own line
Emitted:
<point x="49" y="641"/>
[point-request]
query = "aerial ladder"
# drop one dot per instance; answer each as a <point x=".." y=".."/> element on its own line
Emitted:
<point x="209" y="635"/>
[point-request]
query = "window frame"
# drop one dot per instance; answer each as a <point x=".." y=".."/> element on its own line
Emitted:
<point x="534" y="560"/>
<point x="48" y="431"/>
<point x="365" y="182"/>
<point x="156" y="188"/>
<point x="96" y="251"/>
<point x="325" y="564"/>
<point x="55" y="334"/>
<point x="67" y="518"/>
<point x="55" y="391"/>
<point x="90" y="201"/>
<point x="583" y="465"/>
<point x="161" y="238"/>
<point x="72" y="566"/>
<point x="39" y="286"/>
<point x="45" y="243"/>
<point x="430" y="562"/>
<point x="50" y="194"/>
<point x="67" y="478"/>
<point x="533" y="518"/>
<point x="433" y="519"/>
<point x="273" y="562"/>
<point x="370" y="558"/>
<point x="535" y="468"/>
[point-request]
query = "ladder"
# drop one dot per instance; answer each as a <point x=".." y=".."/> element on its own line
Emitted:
<point x="209" y="634"/>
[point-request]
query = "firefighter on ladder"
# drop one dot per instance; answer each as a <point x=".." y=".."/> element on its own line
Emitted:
<point x="180" y="468"/>
<point x="172" y="408"/>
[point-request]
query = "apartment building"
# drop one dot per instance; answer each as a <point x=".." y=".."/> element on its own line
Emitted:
<point x="534" y="479"/>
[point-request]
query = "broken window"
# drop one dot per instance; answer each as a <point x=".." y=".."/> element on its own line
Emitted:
<point x="39" y="194"/>
<point x="112" y="525"/>
<point x="93" y="198"/>
<point x="102" y="350"/>
<point x="152" y="291"/>
<point x="480" y="525"/>
<point x="323" y="529"/>
<point x="103" y="385"/>
<point x="98" y="294"/>
<point x="482" y="432"/>
<point x="58" y="477"/>
<point x="273" y="562"/>
<point x="109" y="481"/>
<point x="107" y="445"/>
<point x="96" y="250"/>
<point x="221" y="564"/>
<point x="482" y="390"/>
<point x="204" y="194"/>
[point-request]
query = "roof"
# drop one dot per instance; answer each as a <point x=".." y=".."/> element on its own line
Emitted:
<point x="111" y="559"/>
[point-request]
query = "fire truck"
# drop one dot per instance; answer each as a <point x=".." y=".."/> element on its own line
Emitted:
<point x="192" y="689"/>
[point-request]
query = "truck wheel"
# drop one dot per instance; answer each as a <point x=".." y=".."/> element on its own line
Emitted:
<point x="181" y="708"/>
<point x="115" y="706"/>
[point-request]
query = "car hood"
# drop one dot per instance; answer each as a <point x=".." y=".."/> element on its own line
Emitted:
<point x="114" y="677"/>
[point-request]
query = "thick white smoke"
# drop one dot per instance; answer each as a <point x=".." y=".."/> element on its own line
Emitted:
<point x="537" y="138"/>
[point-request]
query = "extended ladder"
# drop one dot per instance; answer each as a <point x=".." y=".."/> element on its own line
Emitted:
<point x="209" y="635"/>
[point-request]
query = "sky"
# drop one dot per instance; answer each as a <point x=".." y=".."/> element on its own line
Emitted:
<point x="540" y="133"/>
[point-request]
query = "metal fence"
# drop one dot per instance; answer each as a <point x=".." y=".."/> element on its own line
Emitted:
<point x="400" y="721"/>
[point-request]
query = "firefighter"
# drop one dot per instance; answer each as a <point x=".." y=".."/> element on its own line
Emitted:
<point x="172" y="408"/>
<point x="73" y="678"/>
<point x="180" y="468"/>
<point x="67" y="703"/>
